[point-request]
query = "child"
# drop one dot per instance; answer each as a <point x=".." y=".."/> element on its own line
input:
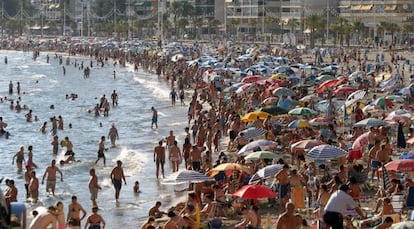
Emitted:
<point x="136" y="187"/>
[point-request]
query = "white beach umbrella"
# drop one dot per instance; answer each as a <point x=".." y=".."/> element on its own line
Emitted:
<point x="184" y="176"/>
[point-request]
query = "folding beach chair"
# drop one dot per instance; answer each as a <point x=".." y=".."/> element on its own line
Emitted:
<point x="398" y="202"/>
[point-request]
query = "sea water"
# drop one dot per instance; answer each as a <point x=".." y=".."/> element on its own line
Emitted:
<point x="42" y="85"/>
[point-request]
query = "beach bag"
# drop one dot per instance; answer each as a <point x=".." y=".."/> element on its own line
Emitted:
<point x="215" y="223"/>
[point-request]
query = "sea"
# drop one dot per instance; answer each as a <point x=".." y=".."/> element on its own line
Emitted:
<point x="44" y="84"/>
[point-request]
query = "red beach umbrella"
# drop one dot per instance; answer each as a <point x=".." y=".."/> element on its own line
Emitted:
<point x="406" y="165"/>
<point x="251" y="79"/>
<point x="341" y="80"/>
<point x="344" y="91"/>
<point x="254" y="192"/>
<point x="325" y="85"/>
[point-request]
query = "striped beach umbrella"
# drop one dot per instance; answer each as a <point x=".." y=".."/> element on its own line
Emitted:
<point x="320" y="121"/>
<point x="183" y="176"/>
<point x="302" y="111"/>
<point x="325" y="152"/>
<point x="369" y="122"/>
<point x="283" y="91"/>
<point x="266" y="172"/>
<point x="299" y="123"/>
<point x="253" y="132"/>
<point x="305" y="144"/>
<point x="355" y="97"/>
<point x="257" y="145"/>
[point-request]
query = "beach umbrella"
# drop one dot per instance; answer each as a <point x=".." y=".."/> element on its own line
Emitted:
<point x="251" y="79"/>
<point x="261" y="155"/>
<point x="369" y="122"/>
<point x="254" y="192"/>
<point x="310" y="98"/>
<point x="280" y="76"/>
<point x="299" y="123"/>
<point x="330" y="68"/>
<point x="403" y="225"/>
<point x="401" y="112"/>
<point x="324" y="78"/>
<point x="253" y="132"/>
<point x="323" y="105"/>
<point x="406" y="165"/>
<point x="301" y="85"/>
<point x="398" y="118"/>
<point x="361" y="141"/>
<point x="406" y="156"/>
<point x="344" y="91"/>
<point x="355" y="97"/>
<point x="325" y="152"/>
<point x="383" y="102"/>
<point x="283" y="91"/>
<point x="183" y="176"/>
<point x="325" y="85"/>
<point x="302" y="111"/>
<point x="228" y="167"/>
<point x="273" y="110"/>
<point x="320" y="121"/>
<point x="257" y="145"/>
<point x="341" y="80"/>
<point x="243" y="88"/>
<point x="266" y="172"/>
<point x="177" y="57"/>
<point x="395" y="98"/>
<point x="306" y="144"/>
<point x="233" y="87"/>
<point x="269" y="101"/>
<point x="252" y="116"/>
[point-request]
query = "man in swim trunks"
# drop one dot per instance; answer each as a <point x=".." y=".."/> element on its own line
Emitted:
<point x="19" y="156"/>
<point x="74" y="210"/>
<point x="113" y="135"/>
<point x="283" y="177"/>
<point x="154" y="118"/>
<point x="101" y="150"/>
<point x="175" y="157"/>
<point x="117" y="175"/>
<point x="69" y="146"/>
<point x="51" y="177"/>
<point x="159" y="158"/>
<point x="93" y="186"/>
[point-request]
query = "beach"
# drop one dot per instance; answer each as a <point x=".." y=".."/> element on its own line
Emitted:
<point x="46" y="83"/>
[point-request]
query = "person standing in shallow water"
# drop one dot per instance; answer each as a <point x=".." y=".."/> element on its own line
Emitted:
<point x="101" y="150"/>
<point x="117" y="175"/>
<point x="113" y="135"/>
<point x="154" y="118"/>
<point x="159" y="158"/>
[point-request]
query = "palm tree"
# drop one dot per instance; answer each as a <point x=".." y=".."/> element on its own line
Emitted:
<point x="314" y="23"/>
<point x="181" y="9"/>
<point x="271" y="21"/>
<point x="293" y="23"/>
<point x="212" y="24"/>
<point x="182" y="23"/>
<point x="198" y="24"/>
<point x="359" y="28"/>
<point x="235" y="23"/>
<point x="406" y="29"/>
<point x="339" y="28"/>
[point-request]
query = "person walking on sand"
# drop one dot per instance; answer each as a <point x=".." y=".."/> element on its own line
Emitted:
<point x="51" y="177"/>
<point x="93" y="186"/>
<point x="101" y="151"/>
<point x="159" y="158"/>
<point x="113" y="135"/>
<point x="117" y="175"/>
<point x="154" y="118"/>
<point x="74" y="210"/>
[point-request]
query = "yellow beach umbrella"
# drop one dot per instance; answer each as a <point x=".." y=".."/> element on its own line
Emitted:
<point x="252" y="116"/>
<point x="228" y="167"/>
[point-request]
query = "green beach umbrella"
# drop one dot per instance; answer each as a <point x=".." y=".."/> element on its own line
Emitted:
<point x="302" y="111"/>
<point x="273" y="110"/>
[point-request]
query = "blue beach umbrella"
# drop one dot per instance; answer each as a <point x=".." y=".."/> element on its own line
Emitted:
<point x="325" y="152"/>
